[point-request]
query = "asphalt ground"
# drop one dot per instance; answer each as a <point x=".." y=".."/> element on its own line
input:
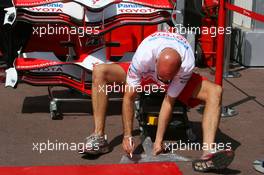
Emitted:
<point x="25" y="121"/>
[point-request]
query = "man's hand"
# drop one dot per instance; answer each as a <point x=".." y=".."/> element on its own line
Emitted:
<point x="157" y="149"/>
<point x="128" y="145"/>
<point x="128" y="115"/>
<point x="164" y="118"/>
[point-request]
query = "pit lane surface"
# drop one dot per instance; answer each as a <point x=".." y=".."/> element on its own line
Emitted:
<point x="24" y="120"/>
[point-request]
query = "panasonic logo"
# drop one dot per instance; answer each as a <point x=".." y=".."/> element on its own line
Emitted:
<point x="53" y="5"/>
<point x="129" y="6"/>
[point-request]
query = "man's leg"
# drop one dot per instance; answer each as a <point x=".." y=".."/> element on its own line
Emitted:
<point x="102" y="75"/>
<point x="212" y="158"/>
<point x="211" y="94"/>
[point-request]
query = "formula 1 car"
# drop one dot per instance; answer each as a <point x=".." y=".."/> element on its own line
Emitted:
<point x="57" y="43"/>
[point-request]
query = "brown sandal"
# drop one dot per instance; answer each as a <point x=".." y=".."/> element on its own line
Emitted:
<point x="214" y="161"/>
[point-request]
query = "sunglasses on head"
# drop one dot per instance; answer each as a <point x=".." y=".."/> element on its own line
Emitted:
<point x="164" y="81"/>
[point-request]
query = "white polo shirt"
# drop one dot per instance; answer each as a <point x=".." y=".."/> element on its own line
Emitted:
<point x="142" y="68"/>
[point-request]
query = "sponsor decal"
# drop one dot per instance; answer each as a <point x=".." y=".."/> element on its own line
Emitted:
<point x="36" y="66"/>
<point x="50" y="69"/>
<point x="170" y="36"/>
<point x="53" y="5"/>
<point x="134" y="8"/>
<point x="129" y="6"/>
<point x="48" y="8"/>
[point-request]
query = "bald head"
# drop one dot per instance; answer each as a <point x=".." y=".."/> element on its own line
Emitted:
<point x="168" y="64"/>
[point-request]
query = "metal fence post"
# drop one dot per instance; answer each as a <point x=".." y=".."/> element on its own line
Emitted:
<point x="227" y="73"/>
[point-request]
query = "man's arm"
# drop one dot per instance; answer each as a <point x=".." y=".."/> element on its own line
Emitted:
<point x="128" y="116"/>
<point x="139" y="64"/>
<point x="164" y="118"/>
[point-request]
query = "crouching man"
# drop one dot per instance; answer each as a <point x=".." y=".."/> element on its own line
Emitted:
<point x="164" y="59"/>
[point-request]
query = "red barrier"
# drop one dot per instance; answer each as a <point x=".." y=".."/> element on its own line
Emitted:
<point x="220" y="44"/>
<point x="245" y="12"/>
<point x="223" y="6"/>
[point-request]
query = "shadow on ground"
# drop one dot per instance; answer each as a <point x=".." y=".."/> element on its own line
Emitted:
<point x="40" y="104"/>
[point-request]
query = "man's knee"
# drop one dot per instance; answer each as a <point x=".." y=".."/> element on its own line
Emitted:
<point x="99" y="72"/>
<point x="218" y="90"/>
<point x="214" y="93"/>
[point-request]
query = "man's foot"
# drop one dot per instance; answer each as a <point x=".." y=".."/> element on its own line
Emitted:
<point x="95" y="145"/>
<point x="214" y="161"/>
